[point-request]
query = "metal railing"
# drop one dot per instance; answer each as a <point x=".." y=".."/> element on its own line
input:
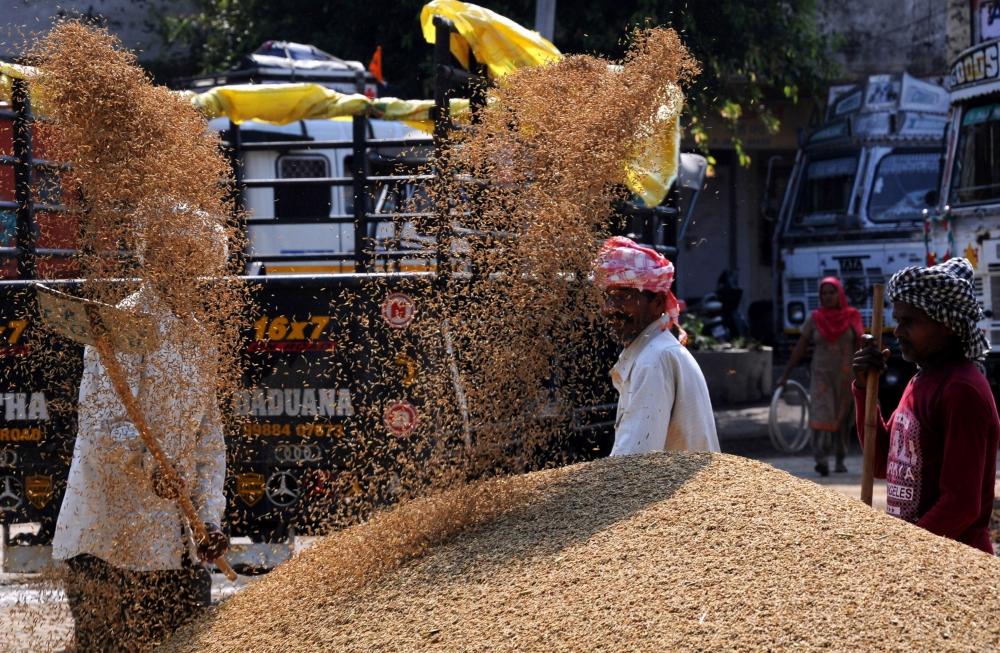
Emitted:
<point x="25" y="248"/>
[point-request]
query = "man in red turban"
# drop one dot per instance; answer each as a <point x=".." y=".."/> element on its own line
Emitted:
<point x="663" y="401"/>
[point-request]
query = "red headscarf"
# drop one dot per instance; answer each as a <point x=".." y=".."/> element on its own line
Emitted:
<point x="622" y="263"/>
<point x="832" y="322"/>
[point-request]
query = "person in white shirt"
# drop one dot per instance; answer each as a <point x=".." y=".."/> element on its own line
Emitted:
<point x="663" y="402"/>
<point x="134" y="570"/>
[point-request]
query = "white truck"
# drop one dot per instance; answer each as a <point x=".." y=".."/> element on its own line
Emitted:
<point x="856" y="196"/>
<point x="966" y="220"/>
<point x="299" y="179"/>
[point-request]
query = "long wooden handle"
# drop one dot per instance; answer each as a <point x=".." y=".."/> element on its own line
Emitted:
<point x="117" y="377"/>
<point x="871" y="401"/>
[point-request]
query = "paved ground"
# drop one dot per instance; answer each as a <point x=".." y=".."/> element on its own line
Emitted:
<point x="34" y="617"/>
<point x="743" y="431"/>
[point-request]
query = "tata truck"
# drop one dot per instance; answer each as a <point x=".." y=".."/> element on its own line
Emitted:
<point x="856" y="197"/>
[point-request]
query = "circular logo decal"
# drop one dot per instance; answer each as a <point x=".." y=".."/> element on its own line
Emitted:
<point x="298" y="453"/>
<point x="400" y="418"/>
<point x="398" y="310"/>
<point x="282" y="489"/>
<point x="11" y="493"/>
<point x="8" y="458"/>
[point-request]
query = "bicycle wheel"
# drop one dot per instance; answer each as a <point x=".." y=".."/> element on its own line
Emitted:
<point x="788" y="420"/>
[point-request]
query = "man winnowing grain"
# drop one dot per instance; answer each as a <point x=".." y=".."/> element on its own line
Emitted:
<point x="663" y="402"/>
<point x="134" y="570"/>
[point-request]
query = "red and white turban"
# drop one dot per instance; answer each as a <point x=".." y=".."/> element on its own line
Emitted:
<point x="622" y="263"/>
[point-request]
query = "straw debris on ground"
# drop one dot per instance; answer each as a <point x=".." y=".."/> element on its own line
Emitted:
<point x="666" y="552"/>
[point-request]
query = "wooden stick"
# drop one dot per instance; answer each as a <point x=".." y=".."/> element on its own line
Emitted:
<point x="871" y="400"/>
<point x="117" y="377"/>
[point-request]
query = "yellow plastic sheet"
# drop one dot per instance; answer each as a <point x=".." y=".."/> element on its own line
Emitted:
<point x="417" y="113"/>
<point x="8" y="73"/>
<point x="649" y="176"/>
<point x="653" y="171"/>
<point x="281" y="104"/>
<point x="504" y="46"/>
<point x="500" y="43"/>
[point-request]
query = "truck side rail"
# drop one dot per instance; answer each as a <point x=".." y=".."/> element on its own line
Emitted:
<point x="27" y="167"/>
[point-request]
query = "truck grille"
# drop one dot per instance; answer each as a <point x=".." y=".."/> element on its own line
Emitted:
<point x="802" y="285"/>
<point x="858" y="288"/>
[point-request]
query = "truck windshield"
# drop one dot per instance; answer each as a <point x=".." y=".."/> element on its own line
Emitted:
<point x="825" y="191"/>
<point x="900" y="186"/>
<point x="976" y="174"/>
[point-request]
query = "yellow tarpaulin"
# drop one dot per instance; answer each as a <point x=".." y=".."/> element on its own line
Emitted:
<point x="500" y="43"/>
<point x="504" y="46"/>
<point x="281" y="104"/>
<point x="8" y="73"/>
<point x="652" y="172"/>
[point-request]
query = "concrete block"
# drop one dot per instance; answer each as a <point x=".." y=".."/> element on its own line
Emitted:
<point x="736" y="376"/>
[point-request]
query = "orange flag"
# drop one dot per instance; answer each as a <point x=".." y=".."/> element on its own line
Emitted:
<point x="375" y="67"/>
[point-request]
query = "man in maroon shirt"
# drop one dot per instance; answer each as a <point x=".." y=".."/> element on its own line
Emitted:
<point x="938" y="450"/>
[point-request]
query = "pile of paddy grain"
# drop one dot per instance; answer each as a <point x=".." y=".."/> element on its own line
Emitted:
<point x="654" y="553"/>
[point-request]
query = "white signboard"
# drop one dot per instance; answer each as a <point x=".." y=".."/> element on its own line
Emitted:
<point x="987" y="20"/>
<point x="976" y="67"/>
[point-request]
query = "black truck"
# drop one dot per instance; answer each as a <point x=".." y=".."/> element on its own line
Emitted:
<point x="335" y="364"/>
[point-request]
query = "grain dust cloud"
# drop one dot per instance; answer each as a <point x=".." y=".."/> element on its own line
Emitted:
<point x="531" y="188"/>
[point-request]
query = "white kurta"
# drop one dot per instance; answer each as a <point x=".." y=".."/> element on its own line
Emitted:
<point x="663" y="402"/>
<point x="110" y="510"/>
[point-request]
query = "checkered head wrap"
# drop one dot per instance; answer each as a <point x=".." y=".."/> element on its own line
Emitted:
<point x="621" y="263"/>
<point x="945" y="293"/>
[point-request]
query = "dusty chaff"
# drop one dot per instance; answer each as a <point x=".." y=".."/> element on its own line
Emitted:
<point x="148" y="184"/>
<point x="535" y="181"/>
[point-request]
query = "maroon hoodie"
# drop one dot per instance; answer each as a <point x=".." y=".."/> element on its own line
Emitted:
<point x="938" y="453"/>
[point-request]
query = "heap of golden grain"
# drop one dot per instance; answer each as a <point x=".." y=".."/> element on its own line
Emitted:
<point x="665" y="552"/>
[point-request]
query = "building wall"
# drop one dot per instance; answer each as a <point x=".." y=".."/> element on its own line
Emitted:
<point x="874" y="36"/>
<point x="131" y="20"/>
<point x="728" y="229"/>
<point x="879" y="36"/>
<point x="958" y="27"/>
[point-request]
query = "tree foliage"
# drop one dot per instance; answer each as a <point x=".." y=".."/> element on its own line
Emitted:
<point x="752" y="53"/>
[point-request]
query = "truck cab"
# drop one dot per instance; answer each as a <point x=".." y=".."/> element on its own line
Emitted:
<point x="856" y="196"/>
<point x="966" y="220"/>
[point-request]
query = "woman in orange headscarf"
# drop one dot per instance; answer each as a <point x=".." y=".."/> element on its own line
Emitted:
<point x="834" y="329"/>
